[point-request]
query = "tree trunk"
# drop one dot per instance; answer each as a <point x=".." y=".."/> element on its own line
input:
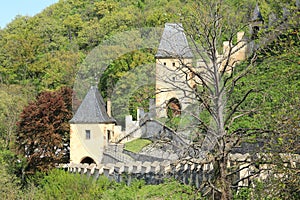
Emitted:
<point x="226" y="193"/>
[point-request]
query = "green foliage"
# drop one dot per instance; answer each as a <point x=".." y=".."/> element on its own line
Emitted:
<point x="243" y="194"/>
<point x="45" y="50"/>
<point x="9" y="185"/>
<point x="11" y="167"/>
<point x="137" y="145"/>
<point x="265" y="191"/>
<point x="275" y="82"/>
<point x="134" y="88"/>
<point x="140" y="99"/>
<point x="138" y="190"/>
<point x="173" y="122"/>
<point x="12" y="100"/>
<point x="59" y="184"/>
<point x="119" y="68"/>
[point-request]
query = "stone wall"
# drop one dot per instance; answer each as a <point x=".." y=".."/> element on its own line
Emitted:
<point x="187" y="172"/>
<point x="154" y="172"/>
<point x="151" y="172"/>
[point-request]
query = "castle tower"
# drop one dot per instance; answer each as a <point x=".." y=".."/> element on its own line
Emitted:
<point x="90" y="129"/>
<point x="173" y="81"/>
<point x="256" y="22"/>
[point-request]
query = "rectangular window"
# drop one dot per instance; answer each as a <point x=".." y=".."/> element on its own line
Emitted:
<point x="87" y="134"/>
<point x="173" y="64"/>
<point x="165" y="64"/>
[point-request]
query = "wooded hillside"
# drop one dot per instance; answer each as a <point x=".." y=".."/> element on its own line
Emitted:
<point x="43" y="53"/>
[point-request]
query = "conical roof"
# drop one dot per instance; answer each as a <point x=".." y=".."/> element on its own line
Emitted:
<point x="173" y="43"/>
<point x="92" y="109"/>
<point x="256" y="14"/>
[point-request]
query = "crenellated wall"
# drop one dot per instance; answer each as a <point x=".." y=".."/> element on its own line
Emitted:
<point x="188" y="172"/>
<point x="151" y="172"/>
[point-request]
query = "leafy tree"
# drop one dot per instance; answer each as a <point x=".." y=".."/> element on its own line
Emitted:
<point x="279" y="82"/>
<point x="43" y="130"/>
<point x="12" y="100"/>
<point x="67" y="30"/>
<point x="10" y="166"/>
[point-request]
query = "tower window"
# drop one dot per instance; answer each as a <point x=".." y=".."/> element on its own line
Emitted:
<point x="255" y="32"/>
<point x="165" y="63"/>
<point x="108" y="135"/>
<point x="87" y="134"/>
<point x="173" y="64"/>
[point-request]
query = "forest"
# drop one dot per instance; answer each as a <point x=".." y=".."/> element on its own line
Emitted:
<point x="40" y="57"/>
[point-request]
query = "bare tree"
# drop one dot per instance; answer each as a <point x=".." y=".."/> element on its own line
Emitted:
<point x="210" y="80"/>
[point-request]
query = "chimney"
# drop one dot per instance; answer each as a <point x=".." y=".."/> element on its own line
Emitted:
<point x="240" y="36"/>
<point x="225" y="47"/>
<point x="108" y="107"/>
<point x="152" y="108"/>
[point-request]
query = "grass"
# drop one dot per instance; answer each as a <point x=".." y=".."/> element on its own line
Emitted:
<point x="137" y="145"/>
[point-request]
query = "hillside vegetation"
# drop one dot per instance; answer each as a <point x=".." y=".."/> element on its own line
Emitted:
<point x="42" y="54"/>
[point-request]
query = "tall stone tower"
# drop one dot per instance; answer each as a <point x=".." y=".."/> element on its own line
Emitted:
<point x="173" y="80"/>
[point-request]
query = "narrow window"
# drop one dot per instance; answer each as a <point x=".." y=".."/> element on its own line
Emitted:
<point x="173" y="64"/>
<point x="165" y="64"/>
<point x="87" y="134"/>
<point x="108" y="135"/>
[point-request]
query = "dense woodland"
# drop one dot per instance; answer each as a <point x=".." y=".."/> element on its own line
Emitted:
<point x="39" y="60"/>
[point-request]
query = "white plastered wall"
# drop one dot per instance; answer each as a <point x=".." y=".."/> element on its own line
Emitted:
<point x="80" y="147"/>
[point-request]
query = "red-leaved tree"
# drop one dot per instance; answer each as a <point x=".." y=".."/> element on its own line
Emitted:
<point x="43" y="130"/>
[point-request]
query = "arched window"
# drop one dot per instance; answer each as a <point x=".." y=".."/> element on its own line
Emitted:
<point x="173" y="108"/>
<point x="87" y="160"/>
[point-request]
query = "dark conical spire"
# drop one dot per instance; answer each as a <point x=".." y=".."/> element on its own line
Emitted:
<point x="173" y="43"/>
<point x="92" y="109"/>
<point x="256" y="14"/>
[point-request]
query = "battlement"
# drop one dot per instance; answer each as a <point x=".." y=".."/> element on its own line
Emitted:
<point x="189" y="171"/>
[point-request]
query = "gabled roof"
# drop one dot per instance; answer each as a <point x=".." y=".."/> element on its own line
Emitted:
<point x="173" y="43"/>
<point x="257" y="15"/>
<point x="92" y="109"/>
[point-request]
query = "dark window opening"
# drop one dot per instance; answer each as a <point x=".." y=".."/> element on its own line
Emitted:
<point x="108" y="135"/>
<point x="87" y="134"/>
<point x="255" y="32"/>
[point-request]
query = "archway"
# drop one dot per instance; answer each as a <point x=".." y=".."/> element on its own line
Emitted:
<point x="88" y="160"/>
<point x="173" y="108"/>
